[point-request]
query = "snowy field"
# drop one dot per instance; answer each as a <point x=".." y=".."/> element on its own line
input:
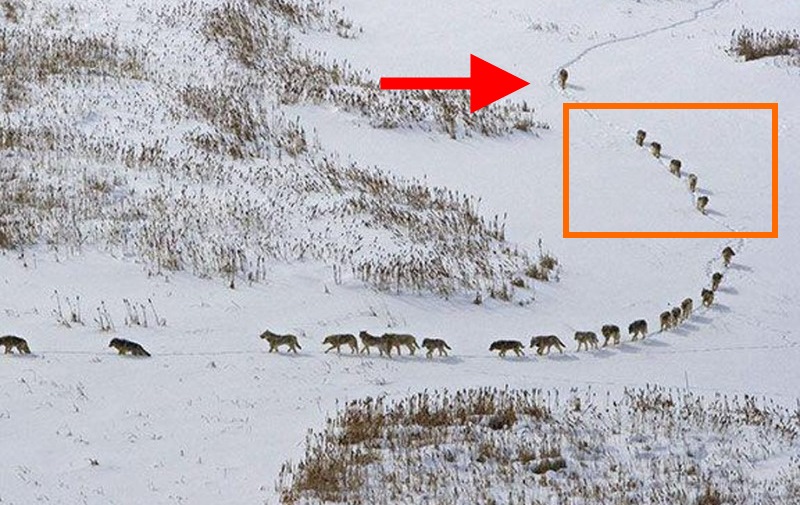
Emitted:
<point x="212" y="416"/>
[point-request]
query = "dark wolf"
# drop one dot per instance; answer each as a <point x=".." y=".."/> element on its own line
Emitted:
<point x="126" y="346"/>
<point x="10" y="342"/>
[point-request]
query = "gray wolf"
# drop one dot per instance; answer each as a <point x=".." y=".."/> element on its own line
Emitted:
<point x="586" y="338"/>
<point x="545" y="342"/>
<point x="338" y="340"/>
<point x="275" y="341"/>
<point x="435" y="344"/>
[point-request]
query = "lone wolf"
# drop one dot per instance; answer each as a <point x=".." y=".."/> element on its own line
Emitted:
<point x="126" y="346"/>
<point x="545" y="342"/>
<point x="562" y="78"/>
<point x="610" y="333"/>
<point x="586" y="338"/>
<point x="507" y="345"/>
<point x="275" y="341"/>
<point x="10" y="342"/>
<point x="435" y="344"/>
<point x="636" y="328"/>
<point x="338" y="340"/>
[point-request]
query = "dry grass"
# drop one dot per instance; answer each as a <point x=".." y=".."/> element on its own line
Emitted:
<point x="753" y="45"/>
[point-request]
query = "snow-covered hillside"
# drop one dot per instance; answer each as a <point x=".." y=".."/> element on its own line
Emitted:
<point x="223" y="168"/>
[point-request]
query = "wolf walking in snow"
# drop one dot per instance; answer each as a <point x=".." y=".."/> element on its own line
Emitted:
<point x="692" y="183"/>
<point x="397" y="340"/>
<point x="708" y="297"/>
<point x="545" y="342"/>
<point x="507" y="345"/>
<point x="716" y="279"/>
<point x="610" y="333"/>
<point x="702" y="201"/>
<point x="640" y="136"/>
<point x="586" y="338"/>
<point x="686" y="308"/>
<point x="368" y="341"/>
<point x="675" y="167"/>
<point x="562" y="78"/>
<point x="727" y="255"/>
<point x="338" y="340"/>
<point x="275" y="341"/>
<point x="666" y="320"/>
<point x="10" y="342"/>
<point x="655" y="149"/>
<point x="126" y="346"/>
<point x="676" y="316"/>
<point x="636" y="328"/>
<point x="435" y="344"/>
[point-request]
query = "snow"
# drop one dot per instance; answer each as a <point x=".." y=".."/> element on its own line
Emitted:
<point x="212" y="416"/>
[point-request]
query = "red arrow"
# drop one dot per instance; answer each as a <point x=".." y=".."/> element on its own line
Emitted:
<point x="486" y="82"/>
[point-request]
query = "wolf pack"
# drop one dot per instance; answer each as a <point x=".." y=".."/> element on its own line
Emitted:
<point x="389" y="343"/>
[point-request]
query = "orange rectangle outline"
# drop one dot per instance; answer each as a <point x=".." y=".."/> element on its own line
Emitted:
<point x="568" y="106"/>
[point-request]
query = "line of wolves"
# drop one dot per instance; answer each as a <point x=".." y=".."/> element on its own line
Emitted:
<point x="611" y="332"/>
<point x="396" y="341"/>
<point x="675" y="166"/>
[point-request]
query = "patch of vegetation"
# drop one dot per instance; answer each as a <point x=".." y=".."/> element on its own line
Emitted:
<point x="651" y="446"/>
<point x="753" y="45"/>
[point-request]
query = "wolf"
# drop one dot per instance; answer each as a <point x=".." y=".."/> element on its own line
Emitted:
<point x="727" y="255"/>
<point x="686" y="308"/>
<point x="708" y="297"/>
<point x="435" y="344"/>
<point x="545" y="342"/>
<point x="10" y="342"/>
<point x="692" y="183"/>
<point x="655" y="149"/>
<point x="507" y="345"/>
<point x="397" y="340"/>
<point x="611" y="333"/>
<point x="126" y="346"/>
<point x="275" y="341"/>
<point x="675" y="167"/>
<point x="562" y="77"/>
<point x="636" y="328"/>
<point x="702" y="201"/>
<point x="586" y="338"/>
<point x="640" y="136"/>
<point x="677" y="314"/>
<point x="666" y="320"/>
<point x="716" y="279"/>
<point x="338" y="340"/>
<point x="368" y="341"/>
